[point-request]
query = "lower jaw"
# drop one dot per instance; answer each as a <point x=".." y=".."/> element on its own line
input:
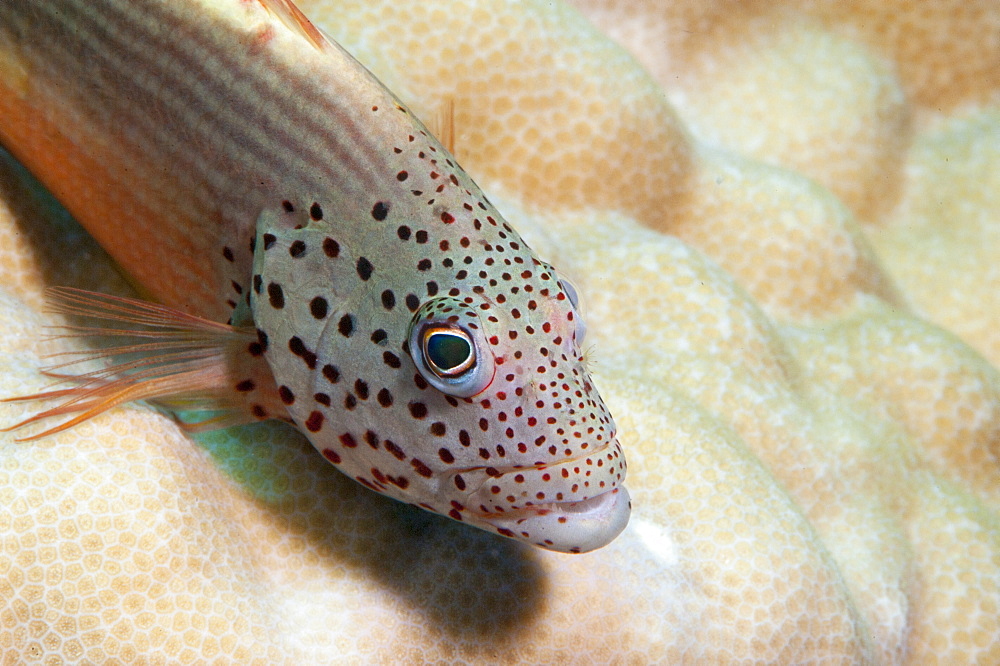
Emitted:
<point x="578" y="526"/>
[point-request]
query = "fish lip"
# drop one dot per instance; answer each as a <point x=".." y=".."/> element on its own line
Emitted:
<point x="574" y="526"/>
<point x="580" y="506"/>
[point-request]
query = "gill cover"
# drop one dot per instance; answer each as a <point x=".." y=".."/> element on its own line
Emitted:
<point x="301" y="285"/>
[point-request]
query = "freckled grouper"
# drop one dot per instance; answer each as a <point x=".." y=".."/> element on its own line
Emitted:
<point x="243" y="168"/>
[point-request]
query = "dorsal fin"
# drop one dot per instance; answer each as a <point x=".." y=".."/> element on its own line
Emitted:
<point x="443" y="124"/>
<point x="155" y="353"/>
<point x="296" y="21"/>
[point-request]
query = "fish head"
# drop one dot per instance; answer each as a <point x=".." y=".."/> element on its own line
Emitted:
<point x="538" y="458"/>
<point x="442" y="379"/>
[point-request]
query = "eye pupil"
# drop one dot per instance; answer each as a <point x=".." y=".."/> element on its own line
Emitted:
<point x="448" y="353"/>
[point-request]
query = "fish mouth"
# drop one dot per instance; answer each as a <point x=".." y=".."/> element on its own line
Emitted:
<point x="577" y="526"/>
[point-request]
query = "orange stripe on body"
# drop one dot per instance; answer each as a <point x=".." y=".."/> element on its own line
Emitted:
<point x="90" y="186"/>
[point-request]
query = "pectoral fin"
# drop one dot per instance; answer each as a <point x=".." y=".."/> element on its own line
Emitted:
<point x="153" y="352"/>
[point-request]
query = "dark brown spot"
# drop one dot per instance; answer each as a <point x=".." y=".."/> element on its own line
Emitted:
<point x="269" y="241"/>
<point x="390" y="359"/>
<point x="318" y="307"/>
<point x="331" y="373"/>
<point x="322" y="398"/>
<point x="332" y="456"/>
<point x="331" y="248"/>
<point x="424" y="265"/>
<point x="388" y="299"/>
<point x="315" y="212"/>
<point x="347" y="439"/>
<point x="403" y="232"/>
<point x="346" y="325"/>
<point x="379" y="336"/>
<point x="447" y="218"/>
<point x="228" y="254"/>
<point x="275" y="295"/>
<point x="361" y="389"/>
<point x="380" y="211"/>
<point x="296" y="346"/>
<point x="315" y="421"/>
<point x="421" y="468"/>
<point x="286" y="395"/>
<point x="384" y="397"/>
<point x="391" y="447"/>
<point x="364" y="268"/>
<point x="438" y="429"/>
<point x="297" y="249"/>
<point x="401" y="176"/>
<point x="246" y="386"/>
<point x="412" y="302"/>
<point x="418" y="410"/>
<point x="287" y="205"/>
<point x="262" y="340"/>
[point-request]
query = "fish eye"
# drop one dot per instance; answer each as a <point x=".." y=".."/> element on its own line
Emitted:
<point x="570" y="290"/>
<point x="447" y="344"/>
<point x="449" y="352"/>
<point x="574" y="298"/>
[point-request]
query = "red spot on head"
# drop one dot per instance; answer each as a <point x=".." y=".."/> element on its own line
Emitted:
<point x="315" y="421"/>
<point x="421" y="468"/>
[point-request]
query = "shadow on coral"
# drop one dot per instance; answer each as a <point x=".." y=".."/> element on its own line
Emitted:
<point x="469" y="583"/>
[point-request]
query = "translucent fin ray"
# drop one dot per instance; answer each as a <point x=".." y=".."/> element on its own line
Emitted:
<point x="180" y="357"/>
<point x="293" y="18"/>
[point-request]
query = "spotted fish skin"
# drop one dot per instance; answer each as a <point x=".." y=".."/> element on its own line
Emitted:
<point x="346" y="235"/>
<point x="337" y="299"/>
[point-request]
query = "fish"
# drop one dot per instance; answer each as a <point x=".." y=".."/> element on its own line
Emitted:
<point x="307" y="251"/>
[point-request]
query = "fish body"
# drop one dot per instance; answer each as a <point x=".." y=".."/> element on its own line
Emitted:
<point x="374" y="297"/>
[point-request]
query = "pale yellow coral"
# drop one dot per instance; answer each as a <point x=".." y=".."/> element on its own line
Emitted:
<point x="762" y="226"/>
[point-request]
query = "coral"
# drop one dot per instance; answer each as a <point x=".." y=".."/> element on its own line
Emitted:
<point x="784" y="224"/>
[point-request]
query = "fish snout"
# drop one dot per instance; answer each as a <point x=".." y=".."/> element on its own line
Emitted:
<point x="568" y="527"/>
<point x="574" y="505"/>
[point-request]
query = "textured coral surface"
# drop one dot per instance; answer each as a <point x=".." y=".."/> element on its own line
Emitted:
<point x="784" y="221"/>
